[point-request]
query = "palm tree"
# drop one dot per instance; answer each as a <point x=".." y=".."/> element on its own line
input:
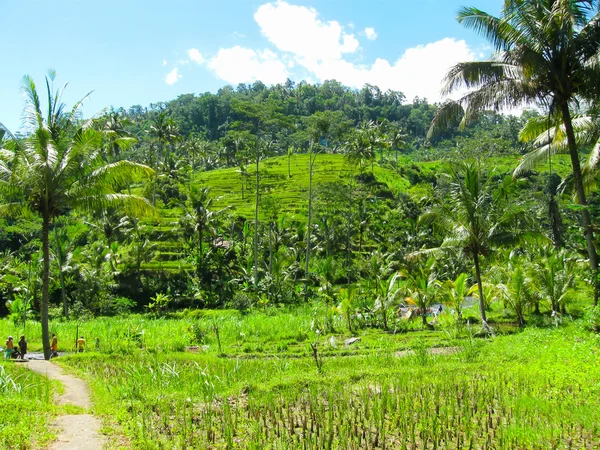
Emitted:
<point x="199" y="214"/>
<point x="421" y="287"/>
<point x="456" y="292"/>
<point x="546" y="54"/>
<point x="517" y="289"/>
<point x="59" y="167"/>
<point x="113" y="128"/>
<point x="396" y="139"/>
<point x="164" y="131"/>
<point x="556" y="279"/>
<point x="476" y="218"/>
<point x="389" y="292"/>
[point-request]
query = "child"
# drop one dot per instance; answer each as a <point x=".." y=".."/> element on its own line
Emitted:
<point x="23" y="346"/>
<point x="9" y="347"/>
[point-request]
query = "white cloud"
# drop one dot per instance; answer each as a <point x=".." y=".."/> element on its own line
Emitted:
<point x="173" y="76"/>
<point x="370" y="33"/>
<point x="321" y="47"/>
<point x="164" y="62"/>
<point x="313" y="48"/>
<point x="418" y="72"/>
<point x="195" y="55"/>
<point x="243" y="65"/>
<point x="298" y="30"/>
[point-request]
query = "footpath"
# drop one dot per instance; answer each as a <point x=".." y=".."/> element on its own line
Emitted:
<point x="74" y="431"/>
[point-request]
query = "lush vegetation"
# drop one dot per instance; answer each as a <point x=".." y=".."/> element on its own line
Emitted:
<point x="256" y="380"/>
<point x="262" y="226"/>
<point x="26" y="402"/>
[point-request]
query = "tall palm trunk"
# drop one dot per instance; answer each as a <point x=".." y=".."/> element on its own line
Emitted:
<point x="579" y="189"/>
<point x="256" y="218"/>
<point x="308" y="229"/>
<point x="45" y="285"/>
<point x="479" y="287"/>
<point x="201" y="239"/>
<point x="61" y="275"/>
<point x="160" y="148"/>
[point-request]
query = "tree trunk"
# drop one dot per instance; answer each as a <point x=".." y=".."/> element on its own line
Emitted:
<point x="479" y="287"/>
<point x="556" y="223"/>
<point x="61" y="275"/>
<point x="424" y="316"/>
<point x="156" y="173"/>
<point x="310" y="177"/>
<point x="45" y="286"/>
<point x="579" y="189"/>
<point x="256" y="219"/>
<point x="201" y="239"/>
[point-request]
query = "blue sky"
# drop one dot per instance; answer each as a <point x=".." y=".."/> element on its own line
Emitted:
<point x="139" y="52"/>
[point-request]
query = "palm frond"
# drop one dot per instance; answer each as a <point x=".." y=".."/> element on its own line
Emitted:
<point x="449" y="113"/>
<point x="119" y="173"/>
<point x="132" y="205"/>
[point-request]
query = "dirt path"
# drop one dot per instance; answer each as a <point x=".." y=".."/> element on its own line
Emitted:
<point x="75" y="432"/>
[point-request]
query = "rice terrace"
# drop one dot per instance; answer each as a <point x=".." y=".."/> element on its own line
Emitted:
<point x="361" y="227"/>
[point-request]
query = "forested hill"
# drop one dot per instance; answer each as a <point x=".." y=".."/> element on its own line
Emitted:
<point x="244" y="211"/>
<point x="292" y="115"/>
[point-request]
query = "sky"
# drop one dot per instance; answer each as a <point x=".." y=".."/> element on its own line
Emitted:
<point x="137" y="52"/>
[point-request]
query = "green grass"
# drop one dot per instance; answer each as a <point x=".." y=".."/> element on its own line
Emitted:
<point x="535" y="389"/>
<point x="26" y="408"/>
<point x="290" y="193"/>
<point x="262" y="387"/>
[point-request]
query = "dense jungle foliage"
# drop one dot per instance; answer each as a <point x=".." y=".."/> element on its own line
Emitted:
<point x="359" y="161"/>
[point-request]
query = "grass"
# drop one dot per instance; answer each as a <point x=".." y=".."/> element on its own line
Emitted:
<point x="26" y="408"/>
<point x="255" y="383"/>
<point x="533" y="389"/>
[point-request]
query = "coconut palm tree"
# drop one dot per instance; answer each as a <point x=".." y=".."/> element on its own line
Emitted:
<point x="113" y="127"/>
<point x="59" y="167"/>
<point x="456" y="292"/>
<point x="476" y="218"/>
<point x="546" y="54"/>
<point x="164" y="130"/>
<point x="518" y="287"/>
<point x="420" y="286"/>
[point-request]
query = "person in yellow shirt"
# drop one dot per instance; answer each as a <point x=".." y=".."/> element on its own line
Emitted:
<point x="54" y="345"/>
<point x="80" y="344"/>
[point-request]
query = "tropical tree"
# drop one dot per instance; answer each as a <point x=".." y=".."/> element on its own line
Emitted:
<point x="476" y="218"/>
<point x="517" y="290"/>
<point x="62" y="255"/>
<point x="396" y="139"/>
<point x="116" y="137"/>
<point x="546" y="54"/>
<point x="59" y="167"/>
<point x="199" y="214"/>
<point x="164" y="131"/>
<point x="313" y="151"/>
<point x="389" y="289"/>
<point x="420" y="286"/>
<point x="555" y="278"/>
<point x="455" y="293"/>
